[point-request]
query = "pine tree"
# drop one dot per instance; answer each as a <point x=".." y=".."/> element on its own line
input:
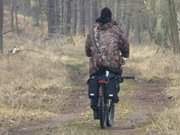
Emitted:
<point x="1" y="25"/>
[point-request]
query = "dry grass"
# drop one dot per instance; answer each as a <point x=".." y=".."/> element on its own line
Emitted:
<point x="36" y="81"/>
<point x="150" y="62"/>
<point x="169" y="121"/>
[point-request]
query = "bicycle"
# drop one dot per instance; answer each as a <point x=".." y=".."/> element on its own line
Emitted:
<point x="106" y="105"/>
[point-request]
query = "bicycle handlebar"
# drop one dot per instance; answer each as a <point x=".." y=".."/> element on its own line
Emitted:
<point x="128" y="77"/>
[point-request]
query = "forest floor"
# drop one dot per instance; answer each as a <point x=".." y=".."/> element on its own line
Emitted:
<point x="65" y="108"/>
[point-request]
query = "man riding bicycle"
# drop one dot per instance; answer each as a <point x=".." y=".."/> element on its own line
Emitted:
<point x="106" y="47"/>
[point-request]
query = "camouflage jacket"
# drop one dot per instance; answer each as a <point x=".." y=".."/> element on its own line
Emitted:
<point x="106" y="46"/>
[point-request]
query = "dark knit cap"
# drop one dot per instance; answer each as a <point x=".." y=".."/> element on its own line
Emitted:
<point x="106" y="16"/>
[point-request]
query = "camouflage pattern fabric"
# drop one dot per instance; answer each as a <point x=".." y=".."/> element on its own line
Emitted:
<point x="106" y="46"/>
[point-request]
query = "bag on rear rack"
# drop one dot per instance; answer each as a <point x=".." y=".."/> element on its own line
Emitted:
<point x="92" y="87"/>
<point x="112" y="87"/>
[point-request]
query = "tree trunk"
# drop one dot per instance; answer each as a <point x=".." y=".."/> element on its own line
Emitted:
<point x="126" y="18"/>
<point x="1" y="25"/>
<point x="61" y="16"/>
<point x="67" y="17"/>
<point x="74" y="17"/>
<point x="35" y="13"/>
<point x="88" y="16"/>
<point x="58" y="17"/>
<point x="51" y="17"/>
<point x="138" y="29"/>
<point x="173" y="27"/>
<point x="12" y="14"/>
<point x="93" y="12"/>
<point x="80" y="17"/>
<point x="116" y="7"/>
<point x="16" y="15"/>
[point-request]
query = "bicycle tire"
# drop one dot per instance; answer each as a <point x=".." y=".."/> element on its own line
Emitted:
<point x="110" y="117"/>
<point x="102" y="112"/>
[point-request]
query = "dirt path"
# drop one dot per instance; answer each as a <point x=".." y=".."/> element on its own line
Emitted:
<point x="149" y="100"/>
<point x="50" y="124"/>
<point x="73" y="110"/>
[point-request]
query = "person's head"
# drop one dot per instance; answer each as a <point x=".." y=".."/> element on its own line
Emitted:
<point x="106" y="16"/>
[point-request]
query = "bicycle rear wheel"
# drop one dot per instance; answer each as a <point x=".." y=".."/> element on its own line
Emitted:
<point x="102" y="113"/>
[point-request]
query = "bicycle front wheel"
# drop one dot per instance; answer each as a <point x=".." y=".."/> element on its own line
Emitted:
<point x="110" y="115"/>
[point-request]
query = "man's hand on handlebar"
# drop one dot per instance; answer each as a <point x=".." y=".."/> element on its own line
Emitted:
<point x="124" y="60"/>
